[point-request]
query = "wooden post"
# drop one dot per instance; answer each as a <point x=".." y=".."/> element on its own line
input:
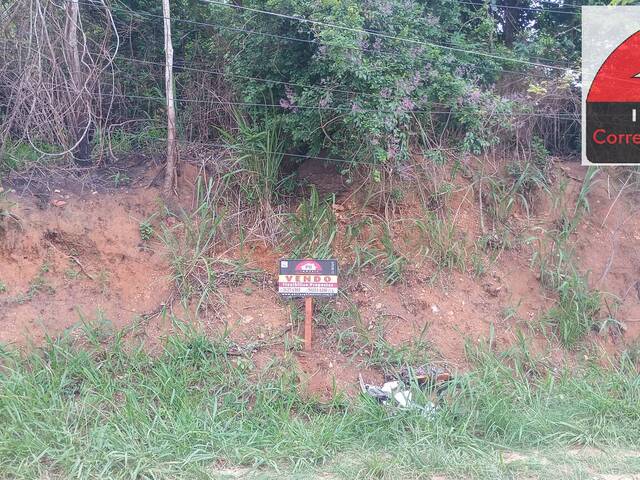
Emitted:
<point x="308" y="319"/>
<point x="169" y="177"/>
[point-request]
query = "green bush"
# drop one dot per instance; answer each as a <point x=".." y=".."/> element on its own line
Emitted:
<point x="357" y="94"/>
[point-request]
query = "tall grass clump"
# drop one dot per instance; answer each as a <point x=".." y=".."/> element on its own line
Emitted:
<point x="194" y="246"/>
<point x="576" y="311"/>
<point x="578" y="306"/>
<point x="258" y="148"/>
<point x="313" y="228"/>
<point x="112" y="410"/>
<point x="444" y="247"/>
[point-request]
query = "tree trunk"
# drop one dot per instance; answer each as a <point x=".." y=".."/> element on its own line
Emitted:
<point x="79" y="118"/>
<point x="171" y="110"/>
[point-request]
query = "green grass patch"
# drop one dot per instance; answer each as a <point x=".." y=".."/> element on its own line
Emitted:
<point x="193" y="411"/>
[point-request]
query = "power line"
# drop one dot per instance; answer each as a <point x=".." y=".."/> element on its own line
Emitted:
<point x="381" y="35"/>
<point x="186" y="100"/>
<point x="567" y="116"/>
<point x="234" y="75"/>
<point x="390" y="54"/>
<point x="514" y="7"/>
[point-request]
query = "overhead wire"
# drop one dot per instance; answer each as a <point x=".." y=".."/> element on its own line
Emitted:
<point x="497" y="6"/>
<point x="128" y="10"/>
<point x="381" y="34"/>
<point x="313" y="107"/>
<point x="391" y="54"/>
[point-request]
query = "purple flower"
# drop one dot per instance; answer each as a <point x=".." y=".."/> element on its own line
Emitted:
<point x="475" y="96"/>
<point x="355" y="108"/>
<point x="407" y="104"/>
<point x="289" y="103"/>
<point x="392" y="151"/>
<point x="385" y="92"/>
<point x="284" y="103"/>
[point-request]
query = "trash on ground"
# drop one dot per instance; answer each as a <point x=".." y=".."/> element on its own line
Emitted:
<point x="429" y="378"/>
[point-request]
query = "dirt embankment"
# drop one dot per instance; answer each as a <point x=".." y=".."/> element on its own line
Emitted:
<point x="69" y="256"/>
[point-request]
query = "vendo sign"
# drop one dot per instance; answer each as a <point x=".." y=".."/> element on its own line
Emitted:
<point x="308" y="278"/>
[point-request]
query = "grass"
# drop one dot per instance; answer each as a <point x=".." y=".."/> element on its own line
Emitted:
<point x="258" y="149"/>
<point x="313" y="228"/>
<point x="19" y="155"/>
<point x="196" y="253"/>
<point x="38" y="284"/>
<point x="445" y="248"/>
<point x="576" y="311"/>
<point x="111" y="410"/>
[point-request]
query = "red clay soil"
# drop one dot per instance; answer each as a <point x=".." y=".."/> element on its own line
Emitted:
<point x="80" y="257"/>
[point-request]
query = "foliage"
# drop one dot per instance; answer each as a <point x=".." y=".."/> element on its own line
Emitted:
<point x="259" y="150"/>
<point x="355" y="94"/>
<point x="575" y="313"/>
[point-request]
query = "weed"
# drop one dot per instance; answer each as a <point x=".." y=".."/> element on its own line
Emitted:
<point x="576" y="309"/>
<point x="328" y="315"/>
<point x="631" y="354"/>
<point x="293" y="343"/>
<point x="369" y="341"/>
<point x="122" y="142"/>
<point x="387" y="261"/>
<point x="72" y="274"/>
<point x="103" y="280"/>
<point x="511" y="312"/>
<point x="38" y="284"/>
<point x="445" y="249"/>
<point x="313" y="228"/>
<point x="120" y="179"/>
<point x="248" y="291"/>
<point x="17" y="156"/>
<point x="478" y="268"/>
<point x="146" y="230"/>
<point x="575" y="312"/>
<point x="394" y="262"/>
<point x="3" y="287"/>
<point x="258" y="148"/>
<point x="196" y="269"/>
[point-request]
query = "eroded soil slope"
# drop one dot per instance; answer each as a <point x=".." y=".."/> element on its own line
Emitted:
<point x="74" y="256"/>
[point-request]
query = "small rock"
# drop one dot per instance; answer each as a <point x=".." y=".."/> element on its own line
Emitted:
<point x="58" y="203"/>
<point x="378" y="306"/>
<point x="435" y="309"/>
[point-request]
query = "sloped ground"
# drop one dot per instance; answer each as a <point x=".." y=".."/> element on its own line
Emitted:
<point x="77" y="256"/>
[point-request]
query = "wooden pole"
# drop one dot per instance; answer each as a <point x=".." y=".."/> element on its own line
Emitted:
<point x="169" y="178"/>
<point x="308" y="319"/>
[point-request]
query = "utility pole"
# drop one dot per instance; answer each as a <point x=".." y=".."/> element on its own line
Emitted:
<point x="172" y="152"/>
